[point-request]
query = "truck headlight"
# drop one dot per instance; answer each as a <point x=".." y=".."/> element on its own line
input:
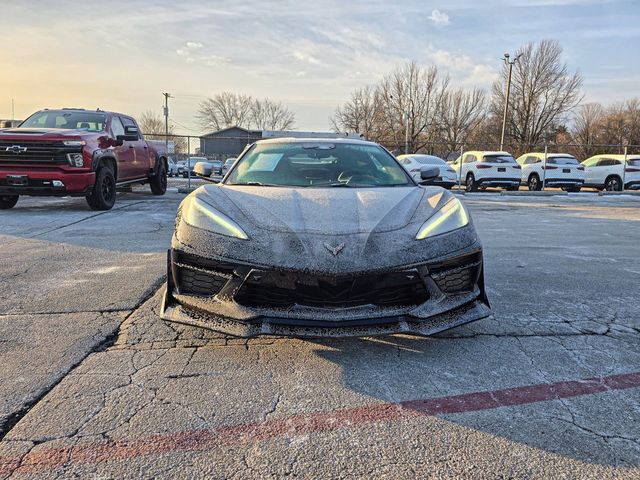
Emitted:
<point x="199" y="214"/>
<point x="75" y="159"/>
<point x="451" y="216"/>
<point x="74" y="143"/>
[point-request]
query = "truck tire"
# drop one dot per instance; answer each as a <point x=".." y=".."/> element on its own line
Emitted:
<point x="103" y="195"/>
<point x="158" y="182"/>
<point x="8" y="201"/>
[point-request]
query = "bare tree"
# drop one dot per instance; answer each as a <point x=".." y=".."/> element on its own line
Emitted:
<point x="586" y="128"/>
<point x="152" y="125"/>
<point x="543" y="92"/>
<point x="224" y="110"/>
<point x="410" y="98"/>
<point x="270" y="115"/>
<point x="360" y="114"/>
<point x="461" y="114"/>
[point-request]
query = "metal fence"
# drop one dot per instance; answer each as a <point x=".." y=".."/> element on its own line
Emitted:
<point x="187" y="146"/>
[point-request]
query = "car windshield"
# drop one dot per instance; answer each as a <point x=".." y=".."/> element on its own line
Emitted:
<point x="498" y="159"/>
<point x="89" y="121"/>
<point x="562" y="160"/>
<point x="318" y="164"/>
<point x="430" y="161"/>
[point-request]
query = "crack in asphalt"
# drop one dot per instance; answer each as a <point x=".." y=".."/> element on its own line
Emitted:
<point x="86" y="218"/>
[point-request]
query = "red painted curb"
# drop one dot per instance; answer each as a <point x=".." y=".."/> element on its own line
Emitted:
<point x="52" y="458"/>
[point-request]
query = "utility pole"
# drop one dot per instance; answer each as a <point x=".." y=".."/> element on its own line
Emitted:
<point x="166" y="120"/>
<point x="506" y="101"/>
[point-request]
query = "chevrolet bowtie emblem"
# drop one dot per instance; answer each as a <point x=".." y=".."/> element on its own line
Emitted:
<point x="16" y="149"/>
<point x="334" y="250"/>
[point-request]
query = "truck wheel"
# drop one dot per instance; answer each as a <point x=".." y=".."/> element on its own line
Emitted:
<point x="104" y="191"/>
<point x="8" y="201"/>
<point x="159" y="182"/>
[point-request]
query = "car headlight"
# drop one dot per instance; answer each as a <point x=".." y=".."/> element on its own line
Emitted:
<point x="451" y="216"/>
<point x="199" y="214"/>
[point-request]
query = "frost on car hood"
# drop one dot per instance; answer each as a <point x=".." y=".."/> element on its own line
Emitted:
<point x="328" y="211"/>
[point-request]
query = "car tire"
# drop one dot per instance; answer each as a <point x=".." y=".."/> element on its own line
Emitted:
<point x="158" y="182"/>
<point x="613" y="184"/>
<point x="185" y="175"/>
<point x="8" y="201"/>
<point x="103" y="195"/>
<point x="534" y="183"/>
<point x="471" y="185"/>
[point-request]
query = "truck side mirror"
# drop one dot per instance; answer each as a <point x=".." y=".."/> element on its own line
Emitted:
<point x="131" y="134"/>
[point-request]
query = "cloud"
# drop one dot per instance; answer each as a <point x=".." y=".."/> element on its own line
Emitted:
<point x="194" y="45"/>
<point x="193" y="53"/>
<point x="439" y="18"/>
<point x="305" y="57"/>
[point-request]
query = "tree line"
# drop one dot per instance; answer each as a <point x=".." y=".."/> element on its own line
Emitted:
<point x="417" y="106"/>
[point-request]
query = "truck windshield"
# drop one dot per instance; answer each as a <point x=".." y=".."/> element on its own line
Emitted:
<point x="318" y="164"/>
<point x="73" y="120"/>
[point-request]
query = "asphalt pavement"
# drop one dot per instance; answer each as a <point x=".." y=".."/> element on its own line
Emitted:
<point x="95" y="385"/>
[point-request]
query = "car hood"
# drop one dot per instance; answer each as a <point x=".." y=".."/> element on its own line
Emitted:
<point x="326" y="211"/>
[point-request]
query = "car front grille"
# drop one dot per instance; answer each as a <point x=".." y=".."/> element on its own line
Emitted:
<point x="200" y="276"/>
<point x="36" y="151"/>
<point x="285" y="289"/>
<point x="457" y="275"/>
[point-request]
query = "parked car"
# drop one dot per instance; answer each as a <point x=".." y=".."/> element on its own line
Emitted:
<point x="186" y="169"/>
<point x="76" y="152"/>
<point x="259" y="253"/>
<point x="227" y="165"/>
<point x="172" y="169"/>
<point x="481" y="169"/>
<point x="560" y="170"/>
<point x="216" y="166"/>
<point x="413" y="163"/>
<point x="606" y="172"/>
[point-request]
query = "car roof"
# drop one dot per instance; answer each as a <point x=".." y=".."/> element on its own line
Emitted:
<point x="541" y="154"/>
<point x="614" y="156"/>
<point x="486" y="152"/>
<point x="83" y="110"/>
<point x="344" y="141"/>
<point x="418" y="155"/>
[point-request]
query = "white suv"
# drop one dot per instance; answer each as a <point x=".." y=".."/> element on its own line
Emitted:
<point x="413" y="163"/>
<point x="482" y="169"/>
<point x="606" y="172"/>
<point x="561" y="170"/>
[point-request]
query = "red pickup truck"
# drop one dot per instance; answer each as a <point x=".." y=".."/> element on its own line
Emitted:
<point x="76" y="152"/>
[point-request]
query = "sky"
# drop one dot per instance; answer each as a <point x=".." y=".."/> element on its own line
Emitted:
<point x="122" y="55"/>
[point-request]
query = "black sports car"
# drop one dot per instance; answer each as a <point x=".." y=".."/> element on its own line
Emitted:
<point x="309" y="237"/>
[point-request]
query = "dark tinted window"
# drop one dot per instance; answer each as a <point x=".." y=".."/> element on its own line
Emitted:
<point x="562" y="161"/>
<point x="634" y="162"/>
<point x="116" y="126"/>
<point x="498" y="159"/>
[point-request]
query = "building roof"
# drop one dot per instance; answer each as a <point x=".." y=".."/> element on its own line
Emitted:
<point x="234" y="127"/>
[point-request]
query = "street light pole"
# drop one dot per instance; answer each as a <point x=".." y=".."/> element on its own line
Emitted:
<point x="406" y="133"/>
<point x="506" y="101"/>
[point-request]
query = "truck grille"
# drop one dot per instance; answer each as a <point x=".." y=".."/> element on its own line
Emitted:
<point x="37" y="151"/>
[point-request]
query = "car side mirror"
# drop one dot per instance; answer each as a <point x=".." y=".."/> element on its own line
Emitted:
<point x="428" y="175"/>
<point x="131" y="134"/>
<point x="204" y="170"/>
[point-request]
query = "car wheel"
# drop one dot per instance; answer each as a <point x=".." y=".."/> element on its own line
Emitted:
<point x="8" y="201"/>
<point x="471" y="184"/>
<point x="103" y="195"/>
<point x="534" y="183"/>
<point x="185" y="175"/>
<point x="158" y="183"/>
<point x="613" y="184"/>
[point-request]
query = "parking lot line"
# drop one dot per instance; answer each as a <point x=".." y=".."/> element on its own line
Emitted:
<point x="45" y="458"/>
